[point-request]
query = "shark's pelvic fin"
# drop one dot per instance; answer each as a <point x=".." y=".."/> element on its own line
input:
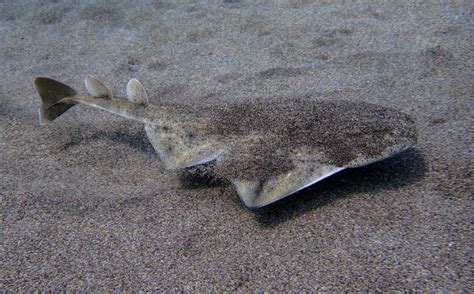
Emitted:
<point x="96" y="88"/>
<point x="136" y="92"/>
<point x="177" y="150"/>
<point x="52" y="94"/>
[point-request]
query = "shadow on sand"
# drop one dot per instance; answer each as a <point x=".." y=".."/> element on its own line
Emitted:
<point x="137" y="141"/>
<point x="391" y="173"/>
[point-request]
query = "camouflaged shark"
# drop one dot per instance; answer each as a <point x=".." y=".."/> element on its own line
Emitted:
<point x="268" y="151"/>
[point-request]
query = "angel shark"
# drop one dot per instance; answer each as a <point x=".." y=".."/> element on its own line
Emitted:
<point x="267" y="151"/>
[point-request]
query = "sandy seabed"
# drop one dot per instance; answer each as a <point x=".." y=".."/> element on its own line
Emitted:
<point x="86" y="203"/>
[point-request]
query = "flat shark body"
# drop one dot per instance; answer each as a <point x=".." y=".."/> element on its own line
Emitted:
<point x="268" y="151"/>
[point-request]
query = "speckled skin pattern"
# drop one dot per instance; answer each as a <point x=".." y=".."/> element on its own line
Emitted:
<point x="87" y="204"/>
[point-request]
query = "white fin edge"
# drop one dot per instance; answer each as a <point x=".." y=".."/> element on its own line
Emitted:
<point x="136" y="92"/>
<point x="256" y="194"/>
<point x="96" y="88"/>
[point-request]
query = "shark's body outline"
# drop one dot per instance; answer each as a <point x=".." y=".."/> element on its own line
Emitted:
<point x="184" y="137"/>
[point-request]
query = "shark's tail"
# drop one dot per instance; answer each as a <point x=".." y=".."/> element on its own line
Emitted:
<point x="52" y="94"/>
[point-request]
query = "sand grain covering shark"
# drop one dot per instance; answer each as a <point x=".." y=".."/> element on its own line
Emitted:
<point x="267" y="151"/>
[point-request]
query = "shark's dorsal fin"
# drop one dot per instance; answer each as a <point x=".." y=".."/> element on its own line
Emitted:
<point x="96" y="88"/>
<point x="136" y="92"/>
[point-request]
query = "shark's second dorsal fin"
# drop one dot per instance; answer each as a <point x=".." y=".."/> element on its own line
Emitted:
<point x="96" y="88"/>
<point x="136" y="92"/>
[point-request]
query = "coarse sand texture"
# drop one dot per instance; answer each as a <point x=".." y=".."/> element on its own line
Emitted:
<point x="224" y="104"/>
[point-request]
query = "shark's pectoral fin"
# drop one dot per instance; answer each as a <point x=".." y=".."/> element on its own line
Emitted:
<point x="261" y="192"/>
<point x="179" y="149"/>
<point x="308" y="168"/>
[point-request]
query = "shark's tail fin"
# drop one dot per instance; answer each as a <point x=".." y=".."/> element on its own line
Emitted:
<point x="52" y="94"/>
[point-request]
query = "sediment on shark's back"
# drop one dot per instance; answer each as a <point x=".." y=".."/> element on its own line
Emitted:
<point x="339" y="133"/>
